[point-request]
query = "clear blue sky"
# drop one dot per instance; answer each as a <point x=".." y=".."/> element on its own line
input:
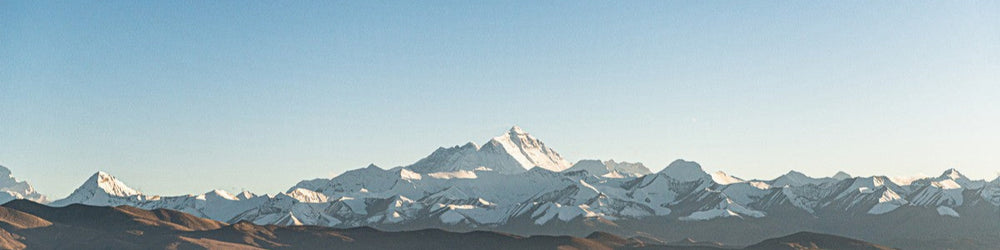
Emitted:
<point x="181" y="97"/>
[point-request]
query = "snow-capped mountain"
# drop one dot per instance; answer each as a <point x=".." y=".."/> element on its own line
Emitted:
<point x="11" y="188"/>
<point x="102" y="189"/>
<point x="610" y="168"/>
<point x="515" y="183"/>
<point x="795" y="178"/>
<point x="513" y="152"/>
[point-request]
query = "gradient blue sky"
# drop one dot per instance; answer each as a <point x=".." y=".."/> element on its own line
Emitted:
<point x="181" y="97"/>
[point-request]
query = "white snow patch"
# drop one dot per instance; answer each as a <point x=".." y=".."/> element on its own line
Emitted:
<point x="406" y="174"/>
<point x="726" y="208"/>
<point x="460" y="174"/>
<point x="947" y="184"/>
<point x="907" y="180"/>
<point x="724" y="179"/>
<point x="453" y="207"/>
<point x="709" y="214"/>
<point x="943" y="210"/>
<point x="309" y="196"/>
<point x="760" y="185"/>
<point x="613" y="175"/>
<point x="485" y="202"/>
<point x="882" y="208"/>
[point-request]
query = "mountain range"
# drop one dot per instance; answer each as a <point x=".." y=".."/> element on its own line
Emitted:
<point x="516" y="184"/>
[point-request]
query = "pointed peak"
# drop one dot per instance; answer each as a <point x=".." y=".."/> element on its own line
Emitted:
<point x="953" y="174"/>
<point x="221" y="194"/>
<point x="517" y="130"/>
<point x="372" y="166"/>
<point x="109" y="184"/>
<point x="219" y="191"/>
<point x="509" y="153"/>
<point x="512" y="134"/>
<point x="100" y="176"/>
<point x="245" y="195"/>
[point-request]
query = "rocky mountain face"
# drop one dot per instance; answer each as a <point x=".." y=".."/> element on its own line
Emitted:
<point x="516" y="184"/>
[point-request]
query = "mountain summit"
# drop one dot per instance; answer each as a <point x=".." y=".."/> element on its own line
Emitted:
<point x="510" y="153"/>
<point x="685" y="170"/>
<point x="109" y="184"/>
<point x="529" y="151"/>
<point x="101" y="189"/>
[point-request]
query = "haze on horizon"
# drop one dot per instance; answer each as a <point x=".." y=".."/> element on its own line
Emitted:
<point x="176" y="98"/>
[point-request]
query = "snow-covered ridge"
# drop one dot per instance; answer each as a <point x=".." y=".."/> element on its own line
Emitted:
<point x="512" y="152"/>
<point x="11" y="188"/>
<point x="610" y="168"/>
<point x="725" y="179"/>
<point x="372" y="196"/>
<point x="515" y="179"/>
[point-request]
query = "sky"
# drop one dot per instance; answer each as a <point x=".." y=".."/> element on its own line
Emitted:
<point x="179" y="97"/>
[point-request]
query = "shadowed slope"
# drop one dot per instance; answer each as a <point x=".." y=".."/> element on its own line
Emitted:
<point x="28" y="225"/>
<point x="21" y="220"/>
<point x="809" y="240"/>
<point x="116" y="218"/>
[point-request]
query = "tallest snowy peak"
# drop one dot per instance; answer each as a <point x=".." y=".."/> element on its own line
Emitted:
<point x="529" y="151"/>
<point x="516" y="130"/>
<point x="510" y="153"/>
